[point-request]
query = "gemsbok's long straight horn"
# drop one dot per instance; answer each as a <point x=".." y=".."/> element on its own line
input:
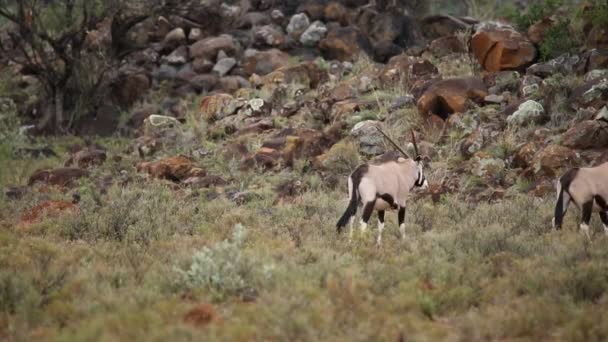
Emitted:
<point x="394" y="144"/>
<point x="415" y="145"/>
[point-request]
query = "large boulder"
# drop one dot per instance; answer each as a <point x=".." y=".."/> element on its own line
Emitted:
<point x="553" y="159"/>
<point x="498" y="47"/>
<point x="587" y="134"/>
<point x="450" y="96"/>
<point x="345" y="44"/>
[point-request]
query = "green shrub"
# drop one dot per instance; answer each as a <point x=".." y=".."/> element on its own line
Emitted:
<point x="223" y="269"/>
<point x="533" y="13"/>
<point x="559" y="39"/>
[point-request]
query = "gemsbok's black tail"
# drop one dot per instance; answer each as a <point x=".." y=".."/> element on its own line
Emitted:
<point x="558" y="216"/>
<point x="563" y="198"/>
<point x="351" y="210"/>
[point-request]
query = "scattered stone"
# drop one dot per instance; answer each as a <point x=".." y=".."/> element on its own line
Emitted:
<point x="269" y="35"/>
<point x="63" y="176"/>
<point x="298" y="24"/>
<point x="86" y="158"/>
<point x="174" y="38"/>
<point x="554" y="159"/>
<point x="195" y="34"/>
<point x="371" y="142"/>
<point x="345" y="44"/>
<point x="264" y="62"/>
<point x="224" y="65"/>
<point x="218" y="106"/>
<point x="494" y="99"/>
<point x="178" y="57"/>
<point x="529" y="112"/>
<point x="313" y="34"/>
<point x="208" y="48"/>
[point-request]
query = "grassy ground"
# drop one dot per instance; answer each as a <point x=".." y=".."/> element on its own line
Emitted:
<point x="135" y="262"/>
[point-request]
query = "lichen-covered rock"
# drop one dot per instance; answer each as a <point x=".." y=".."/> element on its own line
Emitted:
<point x="529" y="112"/>
<point x="298" y="24"/>
<point x="313" y="34"/>
<point x="371" y="142"/>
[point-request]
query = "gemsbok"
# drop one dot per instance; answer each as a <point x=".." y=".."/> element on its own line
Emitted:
<point x="587" y="187"/>
<point x="382" y="187"/>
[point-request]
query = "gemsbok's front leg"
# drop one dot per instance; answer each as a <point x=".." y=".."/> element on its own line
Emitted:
<point x="368" y="208"/>
<point x="604" y="218"/>
<point x="380" y="226"/>
<point x="587" y="210"/>
<point x="401" y="219"/>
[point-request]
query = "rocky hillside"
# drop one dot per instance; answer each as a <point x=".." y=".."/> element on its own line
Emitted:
<point x="191" y="190"/>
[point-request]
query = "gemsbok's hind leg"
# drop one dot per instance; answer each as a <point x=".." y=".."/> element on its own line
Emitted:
<point x="604" y="217"/>
<point x="380" y="226"/>
<point x="351" y="225"/>
<point x="401" y="219"/>
<point x="587" y="210"/>
<point x="368" y="208"/>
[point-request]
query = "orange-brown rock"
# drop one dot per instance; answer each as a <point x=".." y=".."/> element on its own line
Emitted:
<point x="265" y="62"/>
<point x="450" y="96"/>
<point x="87" y="158"/>
<point x="52" y="208"/>
<point x="335" y="11"/>
<point x="525" y="156"/>
<point x="217" y="106"/>
<point x="177" y="168"/>
<point x="403" y="68"/>
<point x="306" y="74"/>
<point x="345" y="44"/>
<point x="587" y="134"/>
<point x="501" y="48"/>
<point x="200" y="315"/>
<point x="63" y="176"/>
<point x="554" y="159"/>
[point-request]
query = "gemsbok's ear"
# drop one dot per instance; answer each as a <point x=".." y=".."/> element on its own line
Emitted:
<point x="418" y="159"/>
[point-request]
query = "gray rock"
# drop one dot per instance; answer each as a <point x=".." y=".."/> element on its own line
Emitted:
<point x="224" y="65"/>
<point x="371" y="142"/>
<point x="174" y="38"/>
<point x="178" y="57"/>
<point x="596" y="74"/>
<point x="313" y="34"/>
<point x="497" y="99"/>
<point x="165" y="72"/>
<point x="195" y="35"/>
<point x="527" y="113"/>
<point x="298" y="24"/>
